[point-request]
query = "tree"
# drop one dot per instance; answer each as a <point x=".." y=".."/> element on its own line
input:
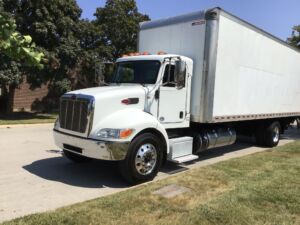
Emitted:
<point x="119" y="21"/>
<point x="53" y="26"/>
<point x="93" y="51"/>
<point x="71" y="45"/>
<point x="295" y="39"/>
<point x="16" y="46"/>
<point x="17" y="52"/>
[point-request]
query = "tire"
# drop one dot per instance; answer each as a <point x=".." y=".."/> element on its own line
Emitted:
<point x="272" y="134"/>
<point x="75" y="157"/>
<point x="268" y="135"/>
<point x="145" y="148"/>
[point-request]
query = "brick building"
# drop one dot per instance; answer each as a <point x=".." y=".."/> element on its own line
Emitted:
<point x="24" y="98"/>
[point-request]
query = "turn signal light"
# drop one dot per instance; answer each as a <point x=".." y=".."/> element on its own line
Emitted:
<point x="125" y="133"/>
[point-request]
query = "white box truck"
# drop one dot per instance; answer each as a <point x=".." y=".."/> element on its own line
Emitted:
<point x="209" y="77"/>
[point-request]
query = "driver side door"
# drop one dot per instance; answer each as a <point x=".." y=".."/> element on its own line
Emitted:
<point x="172" y="101"/>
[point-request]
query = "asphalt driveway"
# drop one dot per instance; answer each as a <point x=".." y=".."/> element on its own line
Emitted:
<point x="34" y="177"/>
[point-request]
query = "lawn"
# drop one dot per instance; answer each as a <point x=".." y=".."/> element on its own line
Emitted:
<point x="263" y="188"/>
<point x="27" y="118"/>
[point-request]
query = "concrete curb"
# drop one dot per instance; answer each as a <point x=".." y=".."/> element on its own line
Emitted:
<point x="24" y="125"/>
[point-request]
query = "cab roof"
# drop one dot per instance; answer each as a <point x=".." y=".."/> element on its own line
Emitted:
<point x="160" y="58"/>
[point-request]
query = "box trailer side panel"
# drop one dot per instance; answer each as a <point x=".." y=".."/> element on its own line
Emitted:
<point x="256" y="76"/>
<point x="240" y="72"/>
<point x="182" y="35"/>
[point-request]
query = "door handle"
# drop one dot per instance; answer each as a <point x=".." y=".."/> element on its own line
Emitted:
<point x="181" y="115"/>
<point x="156" y="95"/>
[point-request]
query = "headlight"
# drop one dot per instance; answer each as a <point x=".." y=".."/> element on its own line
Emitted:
<point x="114" y="133"/>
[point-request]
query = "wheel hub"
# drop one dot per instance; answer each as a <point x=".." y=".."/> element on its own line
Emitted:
<point x="145" y="159"/>
<point x="276" y="134"/>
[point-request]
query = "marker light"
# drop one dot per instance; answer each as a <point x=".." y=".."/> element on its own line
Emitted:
<point x="135" y="54"/>
<point x="130" y="101"/>
<point x="161" y="53"/>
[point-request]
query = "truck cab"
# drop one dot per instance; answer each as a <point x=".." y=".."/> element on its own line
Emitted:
<point x="128" y="119"/>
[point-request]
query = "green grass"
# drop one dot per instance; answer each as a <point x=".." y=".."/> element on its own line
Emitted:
<point x="263" y="188"/>
<point x="27" y="118"/>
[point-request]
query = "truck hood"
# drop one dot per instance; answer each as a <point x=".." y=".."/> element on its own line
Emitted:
<point x="107" y="91"/>
<point x="108" y="99"/>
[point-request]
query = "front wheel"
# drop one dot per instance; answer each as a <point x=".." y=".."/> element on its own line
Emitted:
<point x="143" y="159"/>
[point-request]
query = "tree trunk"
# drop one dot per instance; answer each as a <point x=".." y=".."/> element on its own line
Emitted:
<point x="10" y="99"/>
<point x="3" y="99"/>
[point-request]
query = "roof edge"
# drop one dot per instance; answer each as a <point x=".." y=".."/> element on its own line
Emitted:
<point x="173" y="20"/>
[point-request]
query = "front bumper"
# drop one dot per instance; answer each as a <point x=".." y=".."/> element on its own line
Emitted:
<point x="113" y="151"/>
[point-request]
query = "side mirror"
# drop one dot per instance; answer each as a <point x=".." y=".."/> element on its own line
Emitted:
<point x="180" y="71"/>
<point x="103" y="72"/>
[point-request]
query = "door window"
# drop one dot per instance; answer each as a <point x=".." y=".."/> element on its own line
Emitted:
<point x="169" y="81"/>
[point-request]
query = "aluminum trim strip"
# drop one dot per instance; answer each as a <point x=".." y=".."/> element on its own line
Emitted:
<point x="254" y="116"/>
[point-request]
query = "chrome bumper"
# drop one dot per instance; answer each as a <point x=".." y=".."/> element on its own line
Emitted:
<point x="113" y="151"/>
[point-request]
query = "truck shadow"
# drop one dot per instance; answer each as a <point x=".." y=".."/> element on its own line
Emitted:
<point x="101" y="174"/>
<point x="94" y="174"/>
<point x="173" y="168"/>
<point x="241" y="144"/>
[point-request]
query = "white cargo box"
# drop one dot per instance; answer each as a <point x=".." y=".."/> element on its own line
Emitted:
<point x="240" y="72"/>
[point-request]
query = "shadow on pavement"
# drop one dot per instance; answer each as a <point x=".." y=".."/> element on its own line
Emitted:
<point x="99" y="174"/>
<point x="94" y="174"/>
<point x="242" y="143"/>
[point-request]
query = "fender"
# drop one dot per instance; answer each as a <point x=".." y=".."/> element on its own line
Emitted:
<point x="130" y="118"/>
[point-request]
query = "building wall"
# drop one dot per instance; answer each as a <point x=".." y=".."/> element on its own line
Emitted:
<point x="26" y="99"/>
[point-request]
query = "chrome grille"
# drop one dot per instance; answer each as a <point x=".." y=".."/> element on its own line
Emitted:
<point x="74" y="113"/>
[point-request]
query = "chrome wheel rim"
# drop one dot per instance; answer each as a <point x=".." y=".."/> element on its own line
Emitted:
<point x="146" y="159"/>
<point x="276" y="134"/>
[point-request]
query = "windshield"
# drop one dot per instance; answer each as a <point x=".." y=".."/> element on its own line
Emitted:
<point x="143" y="72"/>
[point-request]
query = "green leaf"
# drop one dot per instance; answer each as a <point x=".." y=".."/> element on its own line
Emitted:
<point x="28" y="39"/>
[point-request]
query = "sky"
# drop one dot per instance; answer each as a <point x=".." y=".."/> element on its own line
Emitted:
<point x="274" y="16"/>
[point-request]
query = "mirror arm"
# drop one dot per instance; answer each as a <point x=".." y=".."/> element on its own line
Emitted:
<point x="169" y="73"/>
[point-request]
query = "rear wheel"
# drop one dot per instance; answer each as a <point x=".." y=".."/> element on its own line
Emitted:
<point x="268" y="135"/>
<point x="143" y="160"/>
<point x="273" y="134"/>
<point x="75" y="157"/>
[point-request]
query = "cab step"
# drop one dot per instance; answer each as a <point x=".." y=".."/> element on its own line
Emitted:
<point x="181" y="150"/>
<point x="183" y="159"/>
